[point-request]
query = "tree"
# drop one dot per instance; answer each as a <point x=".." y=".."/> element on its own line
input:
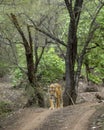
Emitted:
<point x="31" y="67"/>
<point x="70" y="95"/>
<point x="72" y="78"/>
<point x="74" y="60"/>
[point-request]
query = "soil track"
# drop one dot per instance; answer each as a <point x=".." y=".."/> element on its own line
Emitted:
<point x="76" y="117"/>
<point x="70" y="118"/>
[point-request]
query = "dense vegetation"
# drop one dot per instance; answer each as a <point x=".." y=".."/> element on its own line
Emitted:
<point x="39" y="29"/>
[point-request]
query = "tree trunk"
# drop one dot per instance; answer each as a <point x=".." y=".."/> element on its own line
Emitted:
<point x="30" y="67"/>
<point x="28" y="45"/>
<point x="70" y="92"/>
<point x="69" y="96"/>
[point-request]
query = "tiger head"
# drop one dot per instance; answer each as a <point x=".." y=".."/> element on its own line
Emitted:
<point x="52" y="89"/>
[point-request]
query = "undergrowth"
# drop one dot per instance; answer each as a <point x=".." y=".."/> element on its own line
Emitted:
<point x="5" y="108"/>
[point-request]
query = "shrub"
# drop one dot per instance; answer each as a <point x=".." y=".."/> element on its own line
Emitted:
<point x="51" y="67"/>
<point x="4" y="108"/>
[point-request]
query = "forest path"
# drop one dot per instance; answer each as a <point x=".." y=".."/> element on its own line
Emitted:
<point x="74" y="117"/>
<point x="69" y="118"/>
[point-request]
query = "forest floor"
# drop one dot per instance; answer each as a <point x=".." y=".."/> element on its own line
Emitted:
<point x="88" y="114"/>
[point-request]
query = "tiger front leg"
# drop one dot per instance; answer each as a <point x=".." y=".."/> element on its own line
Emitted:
<point x="58" y="102"/>
<point x="51" y="104"/>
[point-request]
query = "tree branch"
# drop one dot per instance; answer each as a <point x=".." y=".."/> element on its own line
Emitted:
<point x="91" y="30"/>
<point x="30" y="38"/>
<point x="70" y="9"/>
<point x="93" y="27"/>
<point x="77" y="10"/>
<point x="99" y="7"/>
<point x="16" y="24"/>
<point x="46" y="33"/>
<point x="69" y="6"/>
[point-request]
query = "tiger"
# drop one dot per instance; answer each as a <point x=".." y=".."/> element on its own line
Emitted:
<point x="55" y="95"/>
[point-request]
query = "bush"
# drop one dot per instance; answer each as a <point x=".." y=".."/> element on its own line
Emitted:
<point x="4" y="108"/>
<point x="51" y="67"/>
<point x="95" y="78"/>
<point x="19" y="79"/>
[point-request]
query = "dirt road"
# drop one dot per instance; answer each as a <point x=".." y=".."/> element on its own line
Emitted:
<point x="74" y="117"/>
<point x="70" y="118"/>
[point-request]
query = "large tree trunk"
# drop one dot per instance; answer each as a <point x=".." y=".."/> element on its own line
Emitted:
<point x="69" y="96"/>
<point x="70" y="92"/>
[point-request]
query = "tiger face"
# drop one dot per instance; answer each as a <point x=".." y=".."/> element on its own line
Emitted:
<point x="55" y="95"/>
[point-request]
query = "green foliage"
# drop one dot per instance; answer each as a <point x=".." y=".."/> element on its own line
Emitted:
<point x="16" y="76"/>
<point x="3" y="68"/>
<point x="4" y="108"/>
<point x="95" y="53"/>
<point x="4" y="62"/>
<point x="16" y="72"/>
<point x="51" y="67"/>
<point x="94" y="78"/>
<point x="96" y="62"/>
<point x="100" y="18"/>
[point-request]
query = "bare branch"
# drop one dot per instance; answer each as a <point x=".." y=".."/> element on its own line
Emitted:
<point x="69" y="6"/>
<point x="92" y="29"/>
<point x="14" y="54"/>
<point x="30" y="37"/>
<point x="38" y="57"/>
<point x="62" y="53"/>
<point x="99" y="7"/>
<point x="21" y="68"/>
<point x="42" y="50"/>
<point x="46" y="33"/>
<point x="70" y="9"/>
<point x="50" y="36"/>
<point x="16" y="24"/>
<point x="77" y="10"/>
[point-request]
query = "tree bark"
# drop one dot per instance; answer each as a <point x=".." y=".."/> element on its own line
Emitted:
<point x="69" y="96"/>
